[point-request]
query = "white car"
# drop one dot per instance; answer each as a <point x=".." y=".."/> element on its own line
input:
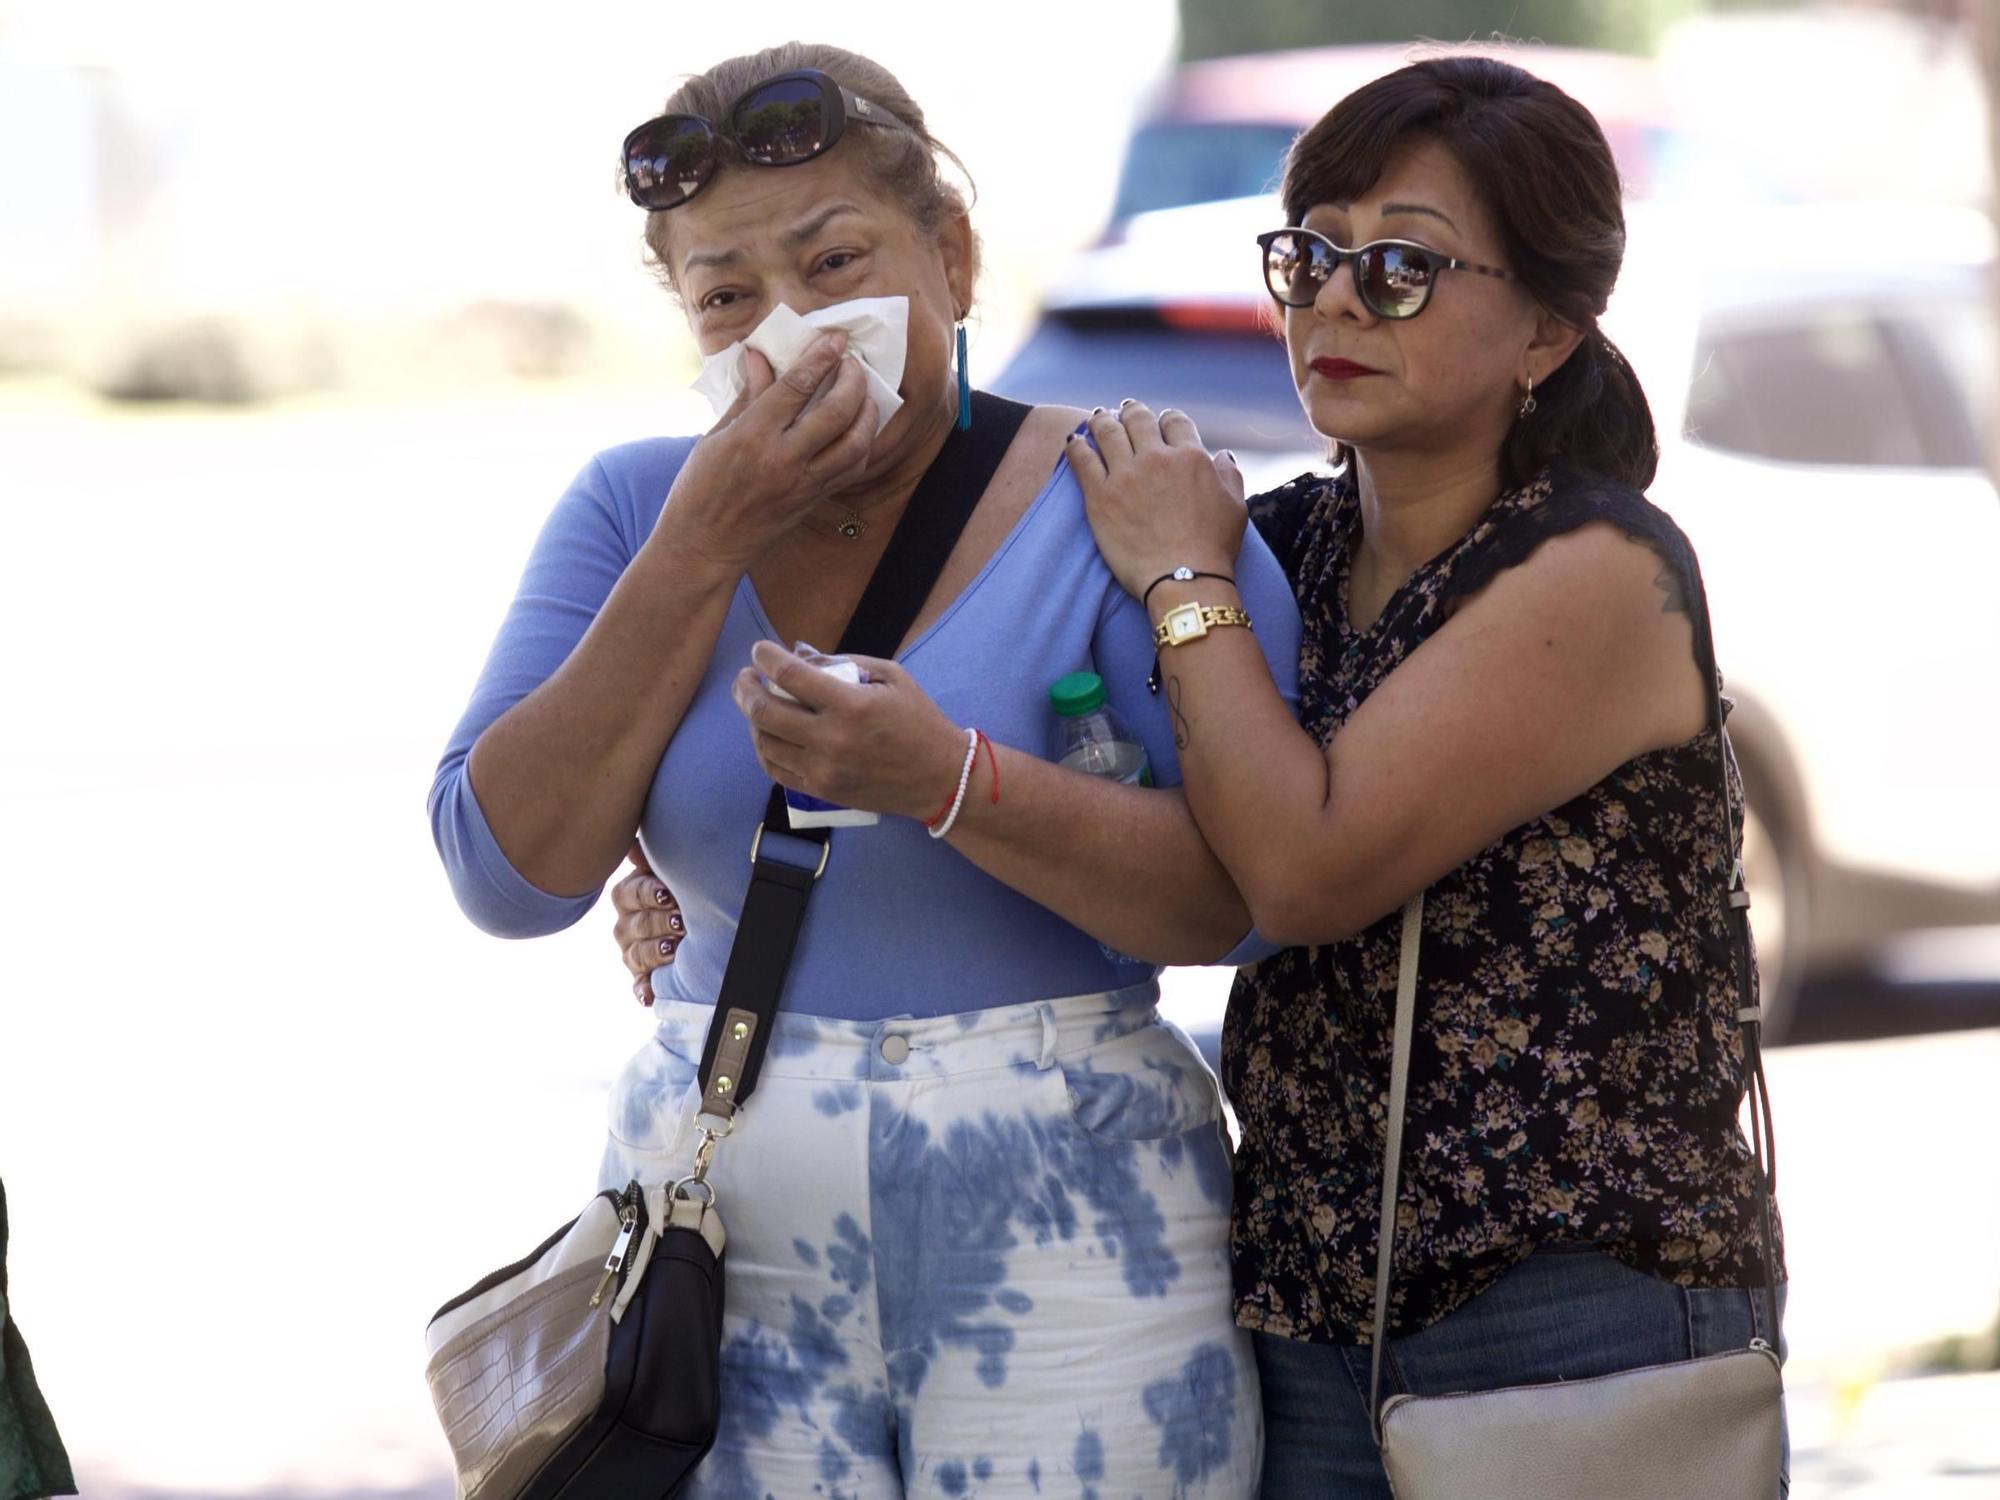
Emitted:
<point x="1820" y="378"/>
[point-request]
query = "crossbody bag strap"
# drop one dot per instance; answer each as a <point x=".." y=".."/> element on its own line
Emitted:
<point x="1736" y="912"/>
<point x="1748" y="1014"/>
<point x="784" y="864"/>
<point x="1392" y="1151"/>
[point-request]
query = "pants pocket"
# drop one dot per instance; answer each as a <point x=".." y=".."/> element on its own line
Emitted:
<point x="1147" y="1085"/>
<point x="651" y="1106"/>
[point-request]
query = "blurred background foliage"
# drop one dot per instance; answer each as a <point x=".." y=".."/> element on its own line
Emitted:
<point x="1224" y="28"/>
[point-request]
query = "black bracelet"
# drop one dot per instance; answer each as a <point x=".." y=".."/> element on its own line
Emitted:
<point x="1180" y="575"/>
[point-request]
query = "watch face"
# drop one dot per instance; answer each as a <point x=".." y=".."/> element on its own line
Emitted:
<point x="1184" y="624"/>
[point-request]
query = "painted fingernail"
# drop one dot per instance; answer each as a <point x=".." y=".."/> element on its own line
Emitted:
<point x="1097" y="411"/>
<point x="1125" y="403"/>
<point x="642" y="992"/>
<point x="677" y="924"/>
<point x="661" y="897"/>
<point x="666" y="947"/>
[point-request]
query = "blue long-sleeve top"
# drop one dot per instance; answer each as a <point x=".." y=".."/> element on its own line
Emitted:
<point x="901" y="924"/>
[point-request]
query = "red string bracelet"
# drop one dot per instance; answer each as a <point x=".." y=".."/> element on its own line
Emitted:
<point x="979" y="740"/>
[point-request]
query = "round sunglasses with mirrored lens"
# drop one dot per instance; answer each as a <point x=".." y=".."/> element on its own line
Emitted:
<point x="668" y="159"/>
<point x="781" y="122"/>
<point x="1392" y="277"/>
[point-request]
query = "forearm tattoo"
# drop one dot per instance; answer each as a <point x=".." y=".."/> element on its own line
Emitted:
<point x="1183" y="730"/>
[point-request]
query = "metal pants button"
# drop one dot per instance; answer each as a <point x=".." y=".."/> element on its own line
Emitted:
<point x="895" y="1050"/>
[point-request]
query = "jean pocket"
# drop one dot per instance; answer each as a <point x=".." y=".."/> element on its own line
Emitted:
<point x="653" y="1101"/>
<point x="1147" y="1085"/>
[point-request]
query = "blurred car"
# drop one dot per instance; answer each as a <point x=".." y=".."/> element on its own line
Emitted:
<point x="1834" y="402"/>
<point x="1822" y="380"/>
<point x="1219" y="130"/>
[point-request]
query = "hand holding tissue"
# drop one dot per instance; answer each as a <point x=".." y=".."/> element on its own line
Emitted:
<point x="878" y="338"/>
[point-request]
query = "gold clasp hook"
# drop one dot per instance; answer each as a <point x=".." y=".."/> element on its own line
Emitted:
<point x="704" y="1154"/>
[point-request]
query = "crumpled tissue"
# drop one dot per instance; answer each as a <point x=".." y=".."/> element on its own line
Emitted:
<point x="878" y="338"/>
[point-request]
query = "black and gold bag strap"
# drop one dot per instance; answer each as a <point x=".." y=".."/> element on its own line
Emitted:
<point x="785" y="864"/>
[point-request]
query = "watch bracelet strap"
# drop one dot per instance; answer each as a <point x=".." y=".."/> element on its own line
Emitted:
<point x="1238" y="616"/>
<point x="1212" y="616"/>
<point x="1736" y="908"/>
<point x="785" y="863"/>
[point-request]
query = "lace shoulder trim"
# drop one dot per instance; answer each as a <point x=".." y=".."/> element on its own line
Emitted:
<point x="1538" y="512"/>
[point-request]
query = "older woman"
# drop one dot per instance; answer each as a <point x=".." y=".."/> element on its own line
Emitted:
<point x="1504" y="705"/>
<point x="977" y="1210"/>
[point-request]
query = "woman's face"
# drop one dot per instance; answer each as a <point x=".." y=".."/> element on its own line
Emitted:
<point x="813" y="235"/>
<point x="1447" y="380"/>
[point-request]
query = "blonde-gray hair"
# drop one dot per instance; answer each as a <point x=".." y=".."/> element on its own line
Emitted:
<point x="905" y="164"/>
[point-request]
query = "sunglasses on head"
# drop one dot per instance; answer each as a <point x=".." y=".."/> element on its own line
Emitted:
<point x="1393" y="278"/>
<point x="780" y="122"/>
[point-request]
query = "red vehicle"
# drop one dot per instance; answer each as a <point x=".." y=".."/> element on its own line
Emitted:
<point x="1219" y="129"/>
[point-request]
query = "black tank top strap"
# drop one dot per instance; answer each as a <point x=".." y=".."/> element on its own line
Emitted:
<point x="1531" y="515"/>
<point x="1525" y="518"/>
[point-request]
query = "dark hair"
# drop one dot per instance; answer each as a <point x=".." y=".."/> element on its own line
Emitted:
<point x="1541" y="167"/>
<point x="903" y="163"/>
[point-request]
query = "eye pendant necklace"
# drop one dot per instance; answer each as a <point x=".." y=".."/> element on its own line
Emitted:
<point x="852" y="525"/>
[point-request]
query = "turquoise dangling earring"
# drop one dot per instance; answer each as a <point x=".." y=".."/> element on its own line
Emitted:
<point x="964" y="385"/>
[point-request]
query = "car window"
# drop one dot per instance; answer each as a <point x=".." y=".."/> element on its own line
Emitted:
<point x="1171" y="165"/>
<point x="1831" y="390"/>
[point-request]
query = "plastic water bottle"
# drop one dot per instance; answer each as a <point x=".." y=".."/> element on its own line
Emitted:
<point x="1090" y="738"/>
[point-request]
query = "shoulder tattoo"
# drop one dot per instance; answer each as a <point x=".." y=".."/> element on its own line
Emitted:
<point x="1669" y="583"/>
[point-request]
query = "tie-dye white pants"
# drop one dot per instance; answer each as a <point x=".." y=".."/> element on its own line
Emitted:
<point x="980" y="1255"/>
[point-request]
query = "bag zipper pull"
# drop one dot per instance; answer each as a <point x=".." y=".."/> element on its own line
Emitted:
<point x="628" y="1220"/>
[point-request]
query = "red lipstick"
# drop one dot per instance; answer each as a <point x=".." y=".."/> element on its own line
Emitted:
<point x="1341" y="369"/>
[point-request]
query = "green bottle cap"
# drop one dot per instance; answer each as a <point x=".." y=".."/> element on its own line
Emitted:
<point x="1076" y="694"/>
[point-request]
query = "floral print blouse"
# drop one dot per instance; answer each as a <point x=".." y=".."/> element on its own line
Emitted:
<point x="1577" y="1062"/>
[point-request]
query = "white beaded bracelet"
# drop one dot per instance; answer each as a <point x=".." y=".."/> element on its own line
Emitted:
<point x="964" y="781"/>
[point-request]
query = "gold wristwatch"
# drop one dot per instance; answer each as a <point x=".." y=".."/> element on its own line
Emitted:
<point x="1190" y="622"/>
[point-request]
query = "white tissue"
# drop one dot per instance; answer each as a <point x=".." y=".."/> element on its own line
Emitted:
<point x="878" y="338"/>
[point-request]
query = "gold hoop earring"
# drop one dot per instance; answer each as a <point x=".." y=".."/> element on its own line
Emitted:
<point x="1526" y="407"/>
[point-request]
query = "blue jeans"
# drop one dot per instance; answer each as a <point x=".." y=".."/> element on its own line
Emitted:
<point x="1567" y="1312"/>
